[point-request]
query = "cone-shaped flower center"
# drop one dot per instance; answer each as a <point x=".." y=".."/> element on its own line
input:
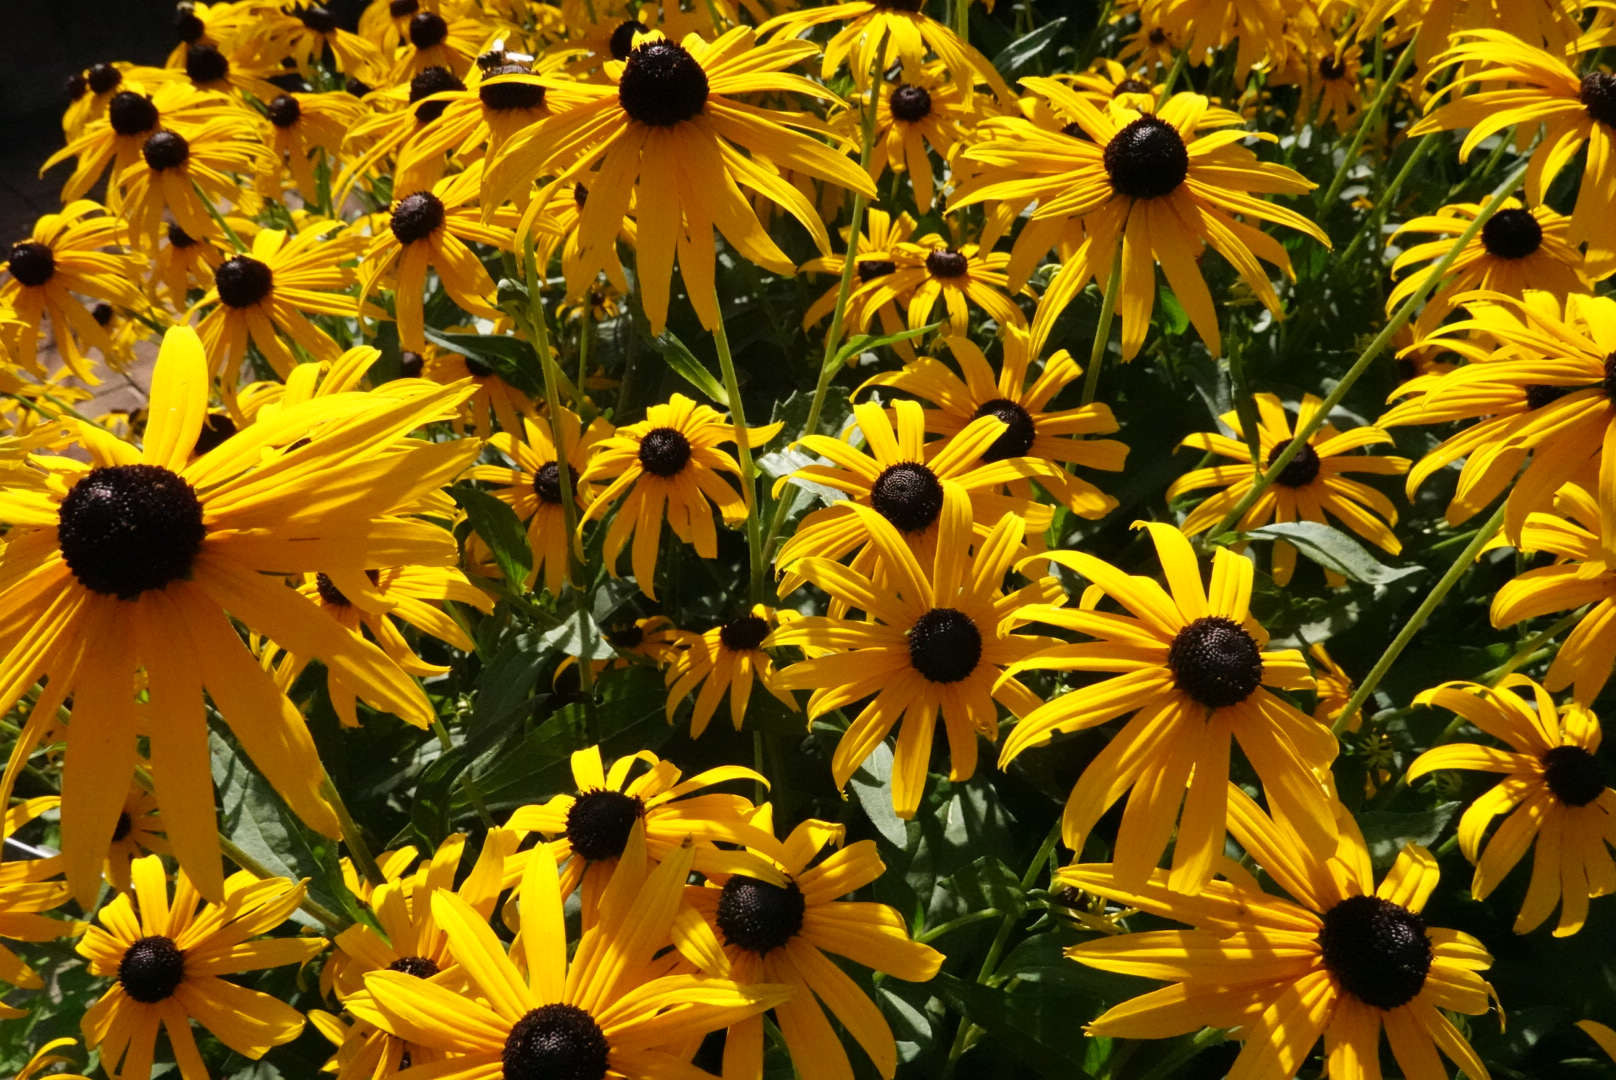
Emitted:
<point x="1541" y="394"/>
<point x="417" y="217"/>
<point x="400" y="8"/>
<point x="178" y="236"/>
<point x="629" y="637"/>
<point x="1215" y="661"/>
<point x="151" y="969"/>
<point x="318" y="19"/>
<point x="870" y="269"/>
<point x="1376" y="949"/>
<point x="419" y="966"/>
<point x="1598" y="96"/>
<point x="1608" y="384"/>
<point x="547" y="483"/>
<point x="427" y="29"/>
<point x="1574" y="775"/>
<point x="165" y="150"/>
<point x="1018" y="433"/>
<point x="909" y="495"/>
<point x="1301" y="470"/>
<point x="131" y="113"/>
<point x="743" y="634"/>
<point x="664" y="451"/>
<point x="104" y="77"/>
<point x="1147" y="159"/>
<point x="329" y="592"/>
<point x="284" y="111"/>
<point x="1512" y="234"/>
<point x="124" y="529"/>
<point x="410" y="364"/>
<point x="946" y="264"/>
<point x="1331" y="68"/>
<point x="504" y="96"/>
<point x="945" y="645"/>
<point x="206" y="64"/>
<point x="242" y="281"/>
<point x="662" y="84"/>
<point x="599" y="823"/>
<point x="31" y="263"/>
<point x="759" y="916"/>
<point x="429" y="81"/>
<point x="187" y="25"/>
<point x="1130" y="86"/>
<point x="911" y="103"/>
<point x="555" y="1042"/>
<point x="622" y="41"/>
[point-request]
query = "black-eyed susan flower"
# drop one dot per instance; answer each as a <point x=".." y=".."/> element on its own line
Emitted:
<point x="168" y="959"/>
<point x="555" y="228"/>
<point x="73" y="252"/>
<point x="91" y="91"/>
<point x="431" y="40"/>
<point x="1020" y="398"/>
<point x="395" y="115"/>
<point x="1337" y="956"/>
<point x="1311" y="488"/>
<point x="728" y="658"/>
<point x="900" y="475"/>
<point x="176" y="171"/>
<point x="139" y="832"/>
<point x="652" y="639"/>
<point x="1208" y="26"/>
<point x="493" y="399"/>
<point x="533" y="487"/>
<point x="306" y="129"/>
<point x="931" y="270"/>
<point x="24" y="897"/>
<point x="666" y="468"/>
<point x="1553" y="792"/>
<point x="262" y="295"/>
<point x="589" y="829"/>
<point x="875" y="258"/>
<point x="1156" y="187"/>
<point x="930" y="644"/>
<point x="131" y="561"/>
<point x="779" y="932"/>
<point x="1192" y="671"/>
<point x="183" y="262"/>
<point x="301" y="31"/>
<point x="1518" y="249"/>
<point x="228" y="70"/>
<point x="666" y="116"/>
<point x="430" y="230"/>
<point x="45" y="1057"/>
<point x="921" y="108"/>
<point x="608" y="1010"/>
<point x="1105" y="81"/>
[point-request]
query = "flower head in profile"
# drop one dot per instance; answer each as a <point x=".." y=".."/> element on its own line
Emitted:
<point x="1192" y="669"/>
<point x="1336" y="955"/>
<point x="1310" y="488"/>
<point x="169" y="958"/>
<point x="779" y="932"/>
<point x="608" y="1010"/>
<point x="1553" y="793"/>
<point x="26" y="893"/>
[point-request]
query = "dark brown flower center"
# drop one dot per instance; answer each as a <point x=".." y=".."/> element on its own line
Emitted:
<point x="429" y="81"/>
<point x="1608" y="383"/>
<point x="206" y="64"/>
<point x="284" y="111"/>
<point x="1146" y="159"/>
<point x="77" y="86"/>
<point x="32" y="263"/>
<point x="1215" y="661"/>
<point x="743" y="634"/>
<point x="870" y="269"/>
<point x="1598" y="96"/>
<point x="627" y="637"/>
<point x="152" y="968"/>
<point x="600" y="821"/>
<point x="356" y="87"/>
<point x="329" y="592"/>
<point x="662" y="84"/>
<point x="102" y="314"/>
<point x="622" y="40"/>
<point x="1573" y="775"/>
<point x="1377" y="950"/>
<point x="410" y="364"/>
<point x="511" y="94"/>
<point x="946" y="264"/>
<point x="187" y="25"/>
<point x="131" y="113"/>
<point x="419" y="966"/>
<point x="1018" y="433"/>
<point x="909" y="495"/>
<point x="911" y="103"/>
<point x="759" y="916"/>
<point x="664" y="451"/>
<point x="1332" y="68"/>
<point x="1129" y="86"/>
<point x="104" y="77"/>
<point x="417" y="217"/>
<point x="165" y="150"/>
<point x="1301" y="470"/>
<point x="555" y="1042"/>
<point x="216" y="428"/>
<point x="178" y="236"/>
<point x="242" y="281"/>
<point x="317" y="18"/>
<point x="124" y="529"/>
<point x="945" y="646"/>
<point x="427" y="29"/>
<point x="400" y="8"/>
<point x="1512" y="234"/>
<point x="547" y="483"/>
<point x="1541" y="394"/>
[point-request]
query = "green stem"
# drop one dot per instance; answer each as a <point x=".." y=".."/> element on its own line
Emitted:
<point x="1378" y="217"/>
<point x="1533" y="644"/>
<point x="327" y="918"/>
<point x="1305" y="431"/>
<point x="737" y="412"/>
<point x="1368" y="121"/>
<point x="1180" y="58"/>
<point x="218" y="218"/>
<point x="954" y="924"/>
<point x="1245" y="406"/>
<point x="1102" y="329"/>
<point x="1173" y="1063"/>
<point x="364" y="861"/>
<point x="1417" y="620"/>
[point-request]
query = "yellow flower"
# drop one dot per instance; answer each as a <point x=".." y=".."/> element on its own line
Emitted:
<point x="728" y="657"/>
<point x="177" y="169"/>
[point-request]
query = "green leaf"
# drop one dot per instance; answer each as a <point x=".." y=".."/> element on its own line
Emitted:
<point x="576" y="629"/>
<point x="863" y="343"/>
<point x="1024" y="50"/>
<point x="1386" y="833"/>
<point x="1023" y="1024"/>
<point x="500" y="529"/>
<point x="1334" y="550"/>
<point x="682" y="360"/>
<point x="512" y="359"/>
<point x="985" y="883"/>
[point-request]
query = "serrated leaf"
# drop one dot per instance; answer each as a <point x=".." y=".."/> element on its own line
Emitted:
<point x="500" y="529"/>
<point x="683" y="361"/>
<point x="1334" y="550"/>
<point x="512" y="359"/>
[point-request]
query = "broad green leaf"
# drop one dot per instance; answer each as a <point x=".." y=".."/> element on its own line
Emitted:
<point x="1024" y="50"/>
<point x="1334" y="550"/>
<point x="1036" y="1028"/>
<point x="500" y="529"/>
<point x="511" y="358"/>
<point x="1386" y="833"/>
<point x="682" y="360"/>
<point x="863" y="343"/>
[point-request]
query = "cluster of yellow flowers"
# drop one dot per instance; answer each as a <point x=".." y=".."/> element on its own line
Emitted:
<point x="367" y="254"/>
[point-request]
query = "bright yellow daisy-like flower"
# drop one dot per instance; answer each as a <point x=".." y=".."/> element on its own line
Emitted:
<point x="176" y="172"/>
<point x="1539" y="87"/>
<point x="67" y="254"/>
<point x="168" y="959"/>
<point x="45" y="1057"/>
<point x="1553" y="792"/>
<point x="728" y="657"/>
<point x="533" y="487"/>
<point x="302" y="30"/>
<point x="901" y="477"/>
<point x="1207" y="26"/>
<point x="91" y="90"/>
<point x="556" y="228"/>
<point x="932" y="270"/>
<point x="666" y="467"/>
<point x="1311" y="487"/>
<point x="493" y="399"/>
<point x="666" y="116"/>
<point x="1518" y="249"/>
<point x="1339" y="956"/>
<point x="653" y="638"/>
<point x="931" y="644"/>
<point x="780" y="931"/>
<point x="876" y="257"/>
<point x="608" y="1010"/>
<point x="132" y="560"/>
<point x="139" y="832"/>
<point x="1021" y="400"/>
<point x="921" y="107"/>
<point x="1536" y="382"/>
<point x="589" y="830"/>
<point x="431" y="40"/>
<point x="305" y="128"/>
<point x="1156" y="187"/>
<point x="24" y="897"/>
<point x="1193" y="673"/>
